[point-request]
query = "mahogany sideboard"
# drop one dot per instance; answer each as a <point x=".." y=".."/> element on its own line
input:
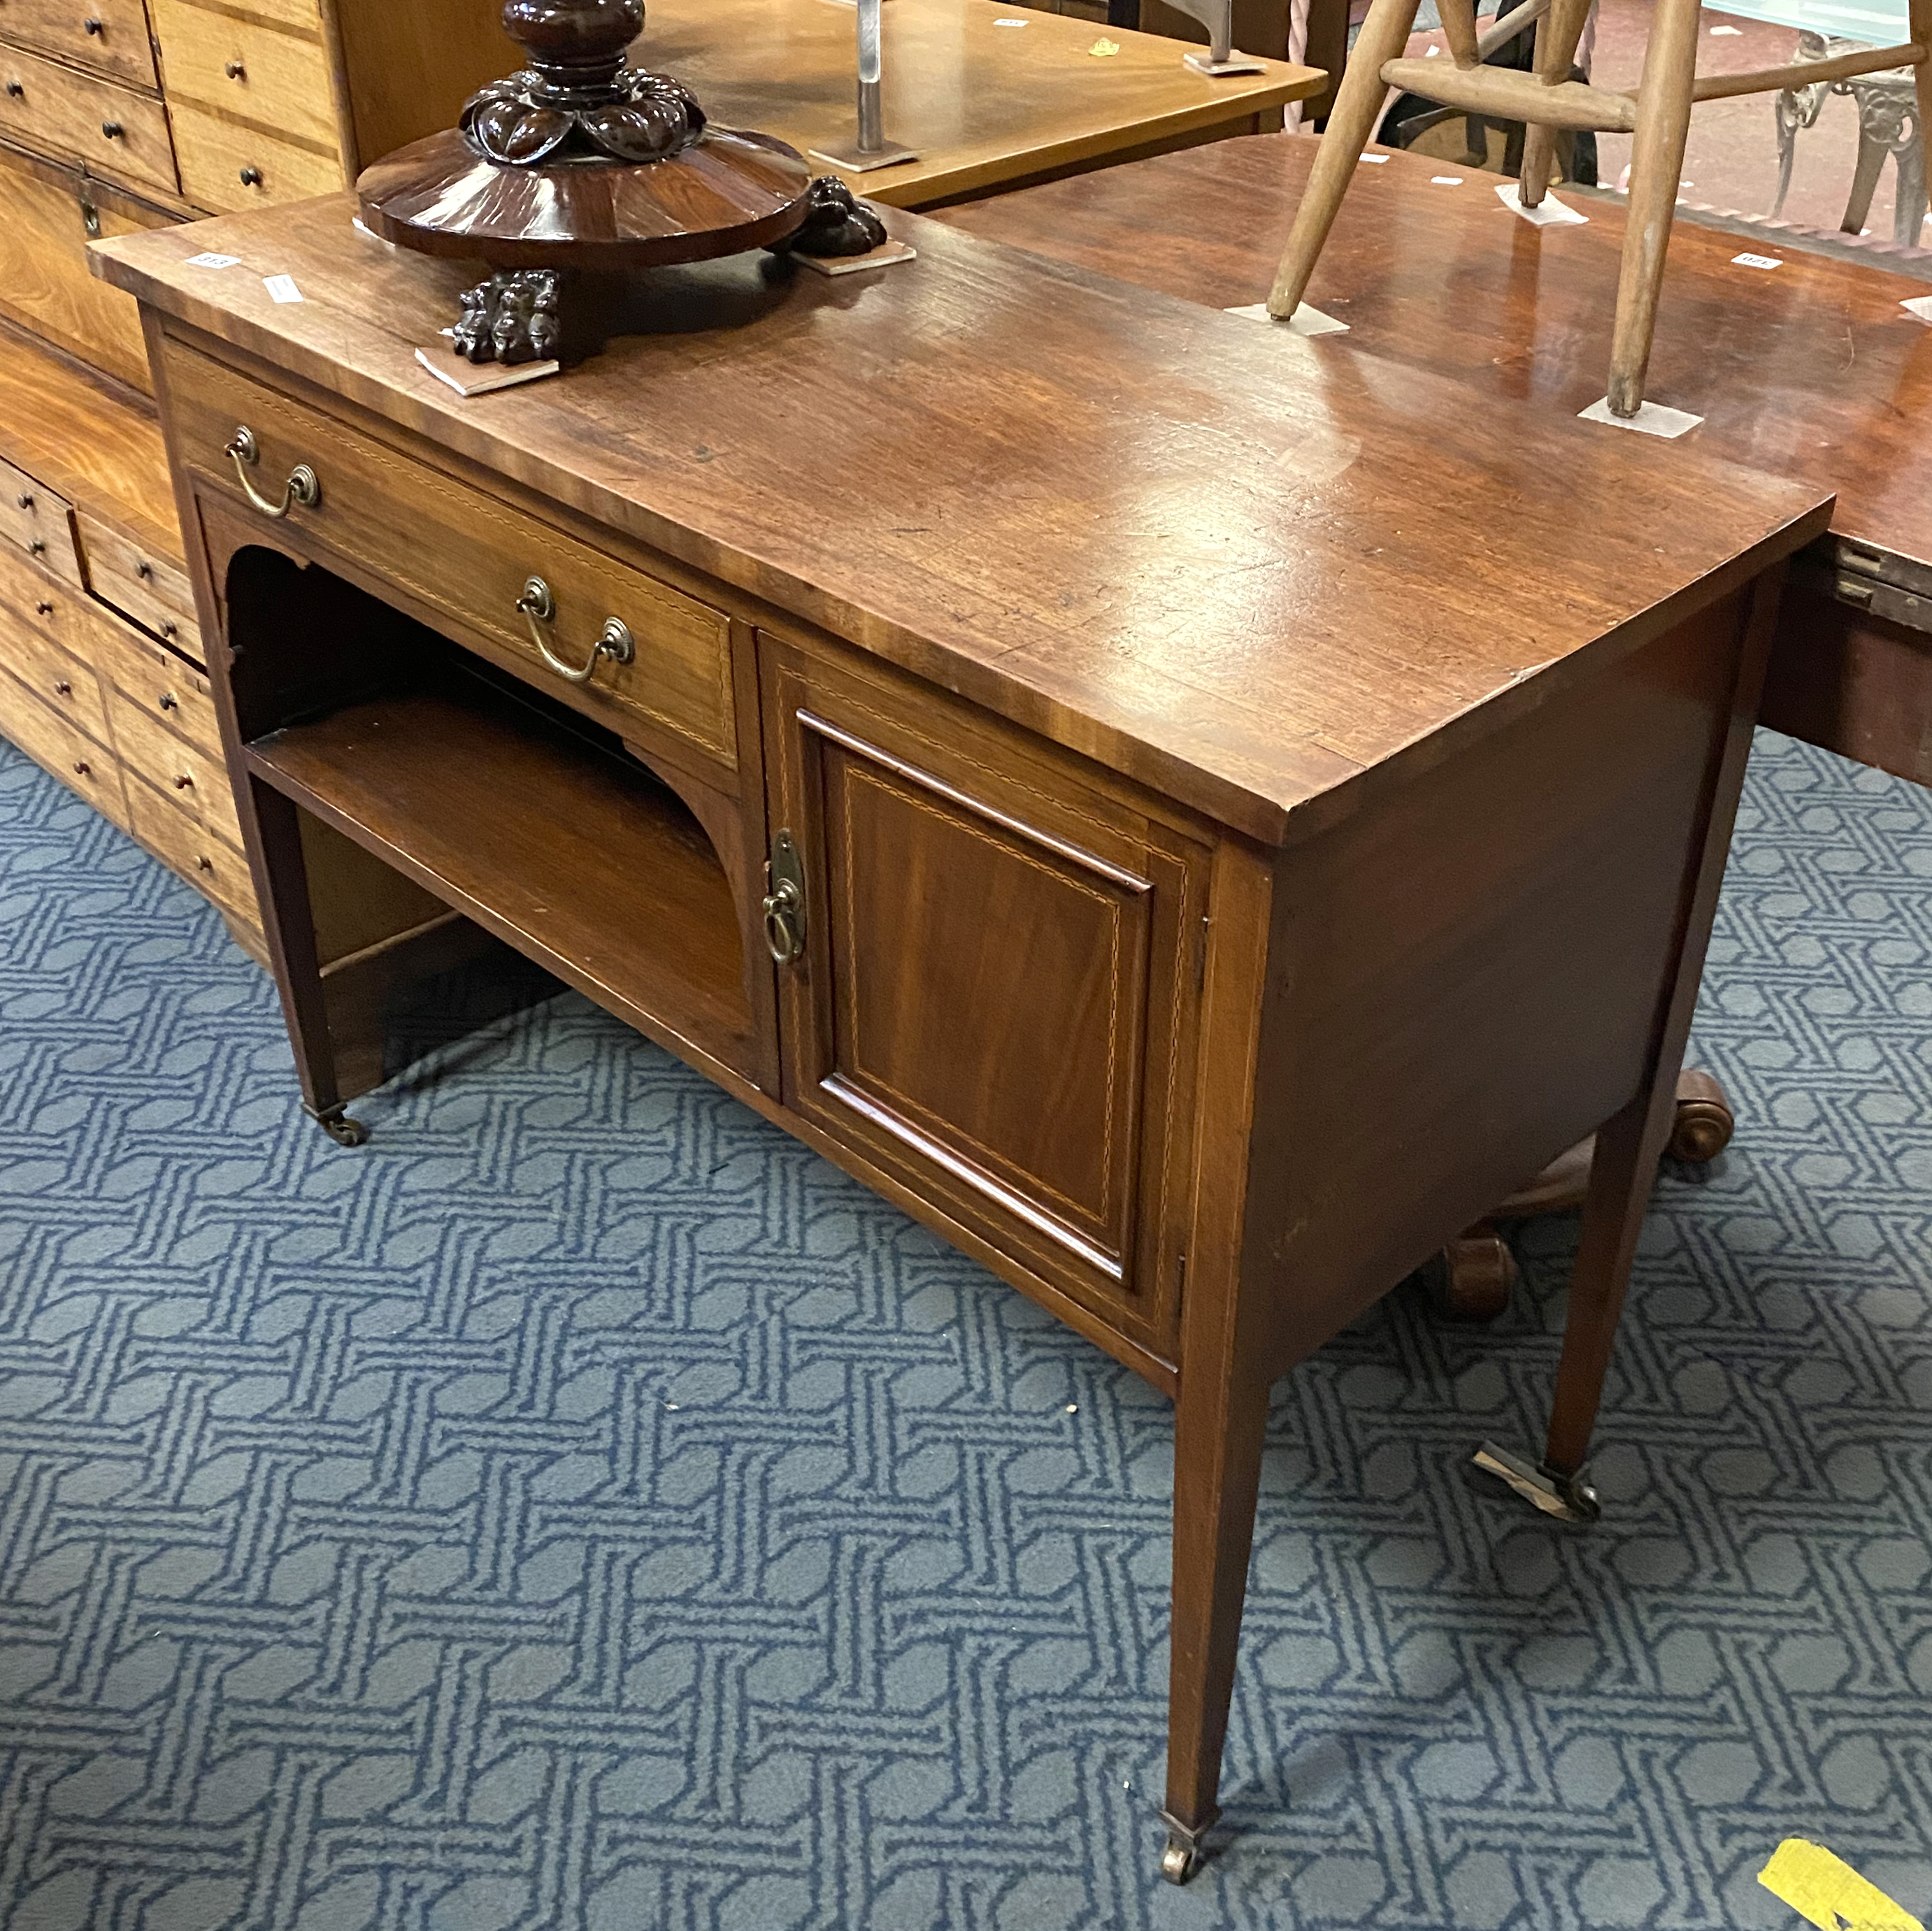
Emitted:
<point x="1060" y="751"/>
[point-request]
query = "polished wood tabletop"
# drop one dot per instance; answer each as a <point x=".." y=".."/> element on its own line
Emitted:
<point x="988" y="94"/>
<point x="1811" y="370"/>
<point x="1808" y="369"/>
<point x="1248" y="606"/>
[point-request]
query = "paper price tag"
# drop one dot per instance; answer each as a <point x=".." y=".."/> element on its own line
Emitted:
<point x="281" y="288"/>
<point x="1374" y="161"/>
<point x="1447" y="180"/>
<point x="1755" y="262"/>
<point x="206" y="261"/>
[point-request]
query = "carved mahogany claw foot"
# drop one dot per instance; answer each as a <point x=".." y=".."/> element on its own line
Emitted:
<point x="1477" y="1276"/>
<point x="1569" y="1498"/>
<point x="836" y="222"/>
<point x="339" y="1128"/>
<point x="1182" y="1857"/>
<point x="1705" y="1121"/>
<point x="511" y="318"/>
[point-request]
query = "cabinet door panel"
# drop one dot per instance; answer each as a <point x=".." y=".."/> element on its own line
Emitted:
<point x="996" y="998"/>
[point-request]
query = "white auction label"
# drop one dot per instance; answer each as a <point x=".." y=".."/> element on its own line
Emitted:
<point x="1447" y="180"/>
<point x="1755" y="262"/>
<point x="282" y="288"/>
<point x="213" y="261"/>
<point x="1376" y="159"/>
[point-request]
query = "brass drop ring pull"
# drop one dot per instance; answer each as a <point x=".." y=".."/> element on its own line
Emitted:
<point x="303" y="486"/>
<point x="539" y="605"/>
<point x="785" y="904"/>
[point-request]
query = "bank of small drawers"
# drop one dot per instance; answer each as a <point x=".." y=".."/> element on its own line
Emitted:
<point x="155" y="593"/>
<point x="33" y="519"/>
<point x="255" y="73"/>
<point x="109" y="36"/>
<point x="466" y="556"/>
<point x="227" y="166"/>
<point x="55" y="110"/>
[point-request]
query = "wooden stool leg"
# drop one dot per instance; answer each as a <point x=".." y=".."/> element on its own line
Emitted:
<point x="1920" y="13"/>
<point x="1557" y="34"/>
<point x="1350" y="121"/>
<point x="1657" y="167"/>
<point x="282" y="884"/>
<point x="1217" y="1460"/>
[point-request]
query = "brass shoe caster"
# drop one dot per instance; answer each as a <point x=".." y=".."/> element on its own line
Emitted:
<point x="339" y="1128"/>
<point x="1182" y="1857"/>
<point x="1569" y="1498"/>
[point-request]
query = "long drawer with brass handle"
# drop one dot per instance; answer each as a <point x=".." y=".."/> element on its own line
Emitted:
<point x="640" y="657"/>
<point x="110" y="36"/>
<point x="53" y="109"/>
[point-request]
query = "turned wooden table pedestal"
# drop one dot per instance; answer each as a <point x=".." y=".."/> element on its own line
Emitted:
<point x="1063" y="769"/>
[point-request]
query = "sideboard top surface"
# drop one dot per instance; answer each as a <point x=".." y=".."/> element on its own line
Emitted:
<point x="1229" y="562"/>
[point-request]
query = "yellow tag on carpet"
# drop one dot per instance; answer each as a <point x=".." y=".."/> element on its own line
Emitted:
<point x="1825" y="1891"/>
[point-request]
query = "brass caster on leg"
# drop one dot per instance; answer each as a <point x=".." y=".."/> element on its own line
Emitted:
<point x="339" y="1128"/>
<point x="1569" y="1498"/>
<point x="1182" y="1857"/>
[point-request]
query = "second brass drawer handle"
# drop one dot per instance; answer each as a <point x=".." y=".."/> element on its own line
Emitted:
<point x="303" y="486"/>
<point x="539" y="605"/>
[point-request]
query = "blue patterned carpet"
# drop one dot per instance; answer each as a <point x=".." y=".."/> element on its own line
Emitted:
<point x="584" y="1510"/>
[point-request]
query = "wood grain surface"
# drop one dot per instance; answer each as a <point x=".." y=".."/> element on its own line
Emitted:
<point x="100" y="446"/>
<point x="983" y="103"/>
<point x="1809" y="371"/>
<point x="1191" y="546"/>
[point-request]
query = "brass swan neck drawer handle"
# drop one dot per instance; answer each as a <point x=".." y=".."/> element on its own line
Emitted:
<point x="303" y="486"/>
<point x="539" y="605"/>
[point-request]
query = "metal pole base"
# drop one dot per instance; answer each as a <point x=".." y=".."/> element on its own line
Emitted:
<point x="1569" y="1498"/>
<point x="1214" y="69"/>
<point x="855" y="161"/>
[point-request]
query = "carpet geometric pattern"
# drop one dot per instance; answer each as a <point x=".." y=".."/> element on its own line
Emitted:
<point x="584" y="1509"/>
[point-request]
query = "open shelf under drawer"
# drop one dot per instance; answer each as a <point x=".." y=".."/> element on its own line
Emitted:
<point x="576" y="855"/>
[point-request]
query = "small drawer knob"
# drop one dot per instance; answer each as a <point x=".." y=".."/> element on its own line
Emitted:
<point x="83" y="769"/>
<point x="168" y="701"/>
<point x="113" y="131"/>
<point x="235" y="71"/>
<point x="25" y="499"/>
<point x="36" y="548"/>
<point x="43" y="608"/>
<point x="15" y="91"/>
<point x="62" y="688"/>
<point x="184" y="783"/>
<point x="204" y="865"/>
<point x="170" y="631"/>
<point x="251" y="177"/>
<point x="93" y="27"/>
<point x="144" y="569"/>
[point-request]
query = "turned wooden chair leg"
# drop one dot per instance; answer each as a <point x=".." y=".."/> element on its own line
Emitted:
<point x="1358" y="104"/>
<point x="1657" y="167"/>
<point x="1219" y="1426"/>
<point x="1557" y="34"/>
<point x="289" y="924"/>
<point x="1919" y="13"/>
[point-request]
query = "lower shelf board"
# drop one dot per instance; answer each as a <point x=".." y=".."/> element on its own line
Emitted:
<point x="579" y="857"/>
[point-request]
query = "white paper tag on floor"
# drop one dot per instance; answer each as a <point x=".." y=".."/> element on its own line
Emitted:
<point x="1305" y="321"/>
<point x="1652" y="418"/>
<point x="1920" y="305"/>
<point x="1548" y="213"/>
<point x="281" y="288"/>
